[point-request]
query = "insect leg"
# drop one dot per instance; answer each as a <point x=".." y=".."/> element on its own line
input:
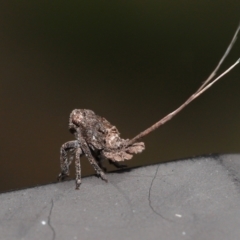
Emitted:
<point x="64" y="160"/>
<point x="89" y="155"/>
<point x="98" y="159"/>
<point x="78" y="167"/>
<point x="92" y="161"/>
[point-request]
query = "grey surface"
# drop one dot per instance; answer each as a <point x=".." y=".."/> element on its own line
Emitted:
<point x="197" y="198"/>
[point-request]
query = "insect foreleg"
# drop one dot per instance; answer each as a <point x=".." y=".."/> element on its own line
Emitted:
<point x="65" y="161"/>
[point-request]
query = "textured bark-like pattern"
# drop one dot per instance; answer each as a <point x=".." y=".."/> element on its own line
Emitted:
<point x="97" y="139"/>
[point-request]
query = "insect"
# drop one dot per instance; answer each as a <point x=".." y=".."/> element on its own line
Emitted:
<point x="98" y="139"/>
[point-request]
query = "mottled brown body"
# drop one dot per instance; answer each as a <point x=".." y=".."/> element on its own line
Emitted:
<point x="97" y="139"/>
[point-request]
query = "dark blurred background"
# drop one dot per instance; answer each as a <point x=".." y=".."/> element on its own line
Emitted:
<point x="129" y="61"/>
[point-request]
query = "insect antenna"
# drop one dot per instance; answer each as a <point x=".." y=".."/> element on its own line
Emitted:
<point x="205" y="85"/>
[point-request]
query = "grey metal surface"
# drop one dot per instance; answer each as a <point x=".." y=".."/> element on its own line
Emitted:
<point x="196" y="198"/>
